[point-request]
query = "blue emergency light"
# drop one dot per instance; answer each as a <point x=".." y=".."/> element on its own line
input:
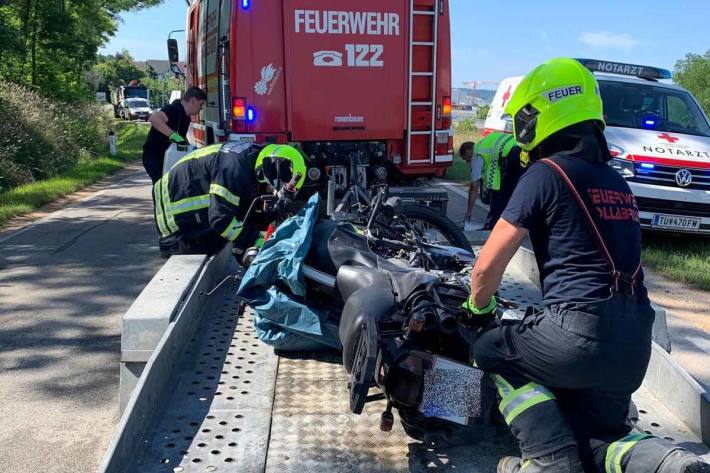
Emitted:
<point x="647" y="165"/>
<point x="650" y="122"/>
<point x="251" y="114"/>
<point x="644" y="72"/>
<point x="245" y="4"/>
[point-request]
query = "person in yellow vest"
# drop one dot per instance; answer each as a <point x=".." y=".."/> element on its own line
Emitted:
<point x="501" y="171"/>
<point x="466" y="153"/>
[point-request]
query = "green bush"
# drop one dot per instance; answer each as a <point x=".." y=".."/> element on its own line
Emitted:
<point x="464" y="126"/>
<point x="41" y="138"/>
<point x="27" y="197"/>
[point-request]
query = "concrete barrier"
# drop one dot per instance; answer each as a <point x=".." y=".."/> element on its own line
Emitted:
<point x="150" y="315"/>
<point x="158" y="369"/>
<point x="147" y="319"/>
<point x="679" y="392"/>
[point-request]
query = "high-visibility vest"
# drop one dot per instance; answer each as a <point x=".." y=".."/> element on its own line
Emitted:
<point x="492" y="149"/>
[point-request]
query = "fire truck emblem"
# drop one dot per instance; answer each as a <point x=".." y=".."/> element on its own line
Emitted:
<point x="268" y="74"/>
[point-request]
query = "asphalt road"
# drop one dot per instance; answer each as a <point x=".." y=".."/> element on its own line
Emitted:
<point x="65" y="282"/>
<point x="686" y="308"/>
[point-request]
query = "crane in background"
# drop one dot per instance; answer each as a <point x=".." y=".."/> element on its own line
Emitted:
<point x="474" y="85"/>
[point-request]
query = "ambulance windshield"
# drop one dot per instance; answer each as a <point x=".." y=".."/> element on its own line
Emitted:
<point x="650" y="107"/>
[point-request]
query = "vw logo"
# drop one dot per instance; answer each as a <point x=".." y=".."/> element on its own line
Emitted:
<point x="683" y="178"/>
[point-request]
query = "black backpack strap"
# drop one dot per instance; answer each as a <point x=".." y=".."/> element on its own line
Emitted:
<point x="616" y="274"/>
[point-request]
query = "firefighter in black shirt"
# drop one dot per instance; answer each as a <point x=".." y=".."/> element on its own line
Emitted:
<point x="566" y="373"/>
<point x="170" y="125"/>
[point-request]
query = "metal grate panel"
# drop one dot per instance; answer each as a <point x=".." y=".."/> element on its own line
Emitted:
<point x="217" y="413"/>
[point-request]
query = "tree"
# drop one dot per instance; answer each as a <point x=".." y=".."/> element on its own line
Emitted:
<point x="115" y="70"/>
<point x="49" y="45"/>
<point x="483" y="111"/>
<point x="693" y="73"/>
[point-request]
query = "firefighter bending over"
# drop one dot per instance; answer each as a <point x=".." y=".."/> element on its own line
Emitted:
<point x="204" y="198"/>
<point x="168" y="125"/>
<point x="565" y="374"/>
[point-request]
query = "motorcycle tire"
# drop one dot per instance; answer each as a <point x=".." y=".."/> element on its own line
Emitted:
<point x="441" y="223"/>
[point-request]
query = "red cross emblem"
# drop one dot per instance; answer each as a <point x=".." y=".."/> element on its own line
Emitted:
<point x="666" y="136"/>
<point x="506" y="95"/>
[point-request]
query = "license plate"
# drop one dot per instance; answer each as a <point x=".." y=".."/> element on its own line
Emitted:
<point x="452" y="391"/>
<point x="676" y="222"/>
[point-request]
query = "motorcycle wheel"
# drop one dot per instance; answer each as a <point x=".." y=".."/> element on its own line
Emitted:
<point x="429" y="221"/>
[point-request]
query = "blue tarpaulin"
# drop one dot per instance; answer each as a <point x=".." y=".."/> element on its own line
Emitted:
<point x="283" y="319"/>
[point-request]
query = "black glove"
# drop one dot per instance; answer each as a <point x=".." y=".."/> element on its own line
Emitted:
<point x="282" y="209"/>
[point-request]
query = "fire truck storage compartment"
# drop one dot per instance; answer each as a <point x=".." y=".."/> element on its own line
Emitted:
<point x="434" y="197"/>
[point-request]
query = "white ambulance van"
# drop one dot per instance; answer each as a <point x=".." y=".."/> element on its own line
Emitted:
<point x="659" y="137"/>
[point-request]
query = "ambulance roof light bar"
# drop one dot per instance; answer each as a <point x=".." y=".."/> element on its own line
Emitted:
<point x="644" y="72"/>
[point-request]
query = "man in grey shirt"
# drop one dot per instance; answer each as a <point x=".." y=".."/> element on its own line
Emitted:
<point x="466" y="153"/>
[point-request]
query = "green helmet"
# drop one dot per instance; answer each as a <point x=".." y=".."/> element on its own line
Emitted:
<point x="555" y="95"/>
<point x="279" y="164"/>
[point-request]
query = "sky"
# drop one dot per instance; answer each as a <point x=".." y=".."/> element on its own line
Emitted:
<point x="492" y="40"/>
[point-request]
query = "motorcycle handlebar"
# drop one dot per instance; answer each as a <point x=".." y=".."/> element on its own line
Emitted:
<point x="377" y="204"/>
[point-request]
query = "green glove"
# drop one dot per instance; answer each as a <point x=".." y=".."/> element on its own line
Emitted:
<point x="177" y="138"/>
<point x="488" y="310"/>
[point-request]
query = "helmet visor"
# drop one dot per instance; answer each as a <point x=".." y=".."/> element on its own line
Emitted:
<point x="525" y="124"/>
<point x="277" y="171"/>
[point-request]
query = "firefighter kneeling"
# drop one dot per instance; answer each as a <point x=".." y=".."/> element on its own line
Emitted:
<point x="202" y="201"/>
<point x="566" y="373"/>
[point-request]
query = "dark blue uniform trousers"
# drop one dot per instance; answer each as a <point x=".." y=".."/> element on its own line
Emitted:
<point x="565" y="374"/>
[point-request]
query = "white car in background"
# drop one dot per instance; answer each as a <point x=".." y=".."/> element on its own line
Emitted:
<point x="659" y="138"/>
<point x="135" y="109"/>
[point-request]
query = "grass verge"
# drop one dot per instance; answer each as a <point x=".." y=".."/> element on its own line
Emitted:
<point x="26" y="198"/>
<point x="684" y="258"/>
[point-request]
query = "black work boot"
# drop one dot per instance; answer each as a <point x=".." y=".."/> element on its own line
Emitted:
<point x="562" y="461"/>
<point x="682" y="461"/>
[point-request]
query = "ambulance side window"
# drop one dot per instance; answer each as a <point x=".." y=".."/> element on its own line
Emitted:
<point x="678" y="113"/>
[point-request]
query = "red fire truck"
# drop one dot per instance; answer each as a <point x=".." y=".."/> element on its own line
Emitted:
<point x="361" y="78"/>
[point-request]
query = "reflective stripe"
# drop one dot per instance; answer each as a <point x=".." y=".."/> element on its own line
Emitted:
<point x="159" y="212"/>
<point x="169" y="219"/>
<point x="190" y="204"/>
<point x="504" y="387"/>
<point x="494" y="162"/>
<point x="518" y="401"/>
<point x="224" y="193"/>
<point x="233" y="230"/>
<point x="615" y="451"/>
<point x="200" y="153"/>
